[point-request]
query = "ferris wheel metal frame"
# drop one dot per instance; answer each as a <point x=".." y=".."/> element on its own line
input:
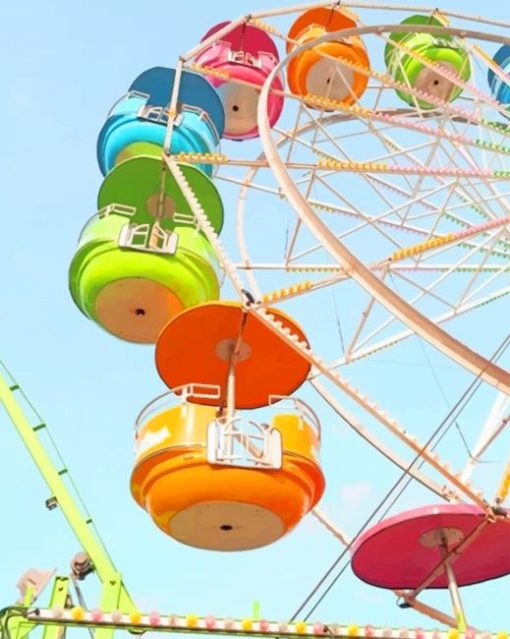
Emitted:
<point x="459" y="352"/>
<point x="383" y="294"/>
<point x="433" y="333"/>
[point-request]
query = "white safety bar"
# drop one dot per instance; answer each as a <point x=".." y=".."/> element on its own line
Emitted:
<point x="179" y="394"/>
<point x="299" y="406"/>
<point x="150" y="238"/>
<point x="244" y="443"/>
<point x="159" y="115"/>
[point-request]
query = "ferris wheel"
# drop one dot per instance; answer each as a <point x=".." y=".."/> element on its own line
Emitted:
<point x="371" y="167"/>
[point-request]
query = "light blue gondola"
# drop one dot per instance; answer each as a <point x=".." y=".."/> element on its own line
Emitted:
<point x="500" y="88"/>
<point x="137" y="123"/>
<point x="129" y="104"/>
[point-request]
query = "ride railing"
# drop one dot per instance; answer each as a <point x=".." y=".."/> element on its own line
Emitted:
<point x="245" y="443"/>
<point x="311" y="30"/>
<point x="160" y="115"/>
<point x="157" y="115"/>
<point x="247" y="627"/>
<point x="118" y="209"/>
<point x="145" y="236"/>
<point x="305" y="413"/>
<point x="110" y="209"/>
<point x="236" y="438"/>
<point x="149" y="238"/>
<point x="222" y="51"/>
<point x="178" y="395"/>
<point x="135" y="95"/>
<point x="244" y="57"/>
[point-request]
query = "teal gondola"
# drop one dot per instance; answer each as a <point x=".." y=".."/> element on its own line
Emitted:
<point x="499" y="86"/>
<point x="137" y="123"/>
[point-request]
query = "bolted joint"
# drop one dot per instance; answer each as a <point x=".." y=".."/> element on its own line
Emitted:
<point x="51" y="503"/>
<point x="81" y="566"/>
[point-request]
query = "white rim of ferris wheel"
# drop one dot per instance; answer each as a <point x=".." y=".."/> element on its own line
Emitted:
<point x="332" y="401"/>
<point x="418" y="323"/>
<point x="249" y="267"/>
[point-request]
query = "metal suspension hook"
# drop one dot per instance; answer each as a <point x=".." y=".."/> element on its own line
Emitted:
<point x="334" y="6"/>
<point x="402" y="603"/>
<point x="250" y="300"/>
<point x="227" y="404"/>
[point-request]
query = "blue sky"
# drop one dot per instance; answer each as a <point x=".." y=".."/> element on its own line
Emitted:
<point x="64" y="65"/>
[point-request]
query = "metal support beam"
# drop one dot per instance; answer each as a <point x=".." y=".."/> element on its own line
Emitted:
<point x="59" y="599"/>
<point x="115" y="595"/>
<point x="192" y="624"/>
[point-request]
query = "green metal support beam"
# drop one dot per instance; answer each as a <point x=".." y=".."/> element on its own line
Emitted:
<point x="19" y="627"/>
<point x="111" y="599"/>
<point x="14" y="626"/>
<point x="115" y="595"/>
<point x="59" y="599"/>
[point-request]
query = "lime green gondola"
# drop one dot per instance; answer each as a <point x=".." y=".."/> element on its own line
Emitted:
<point x="405" y="62"/>
<point x="138" y="264"/>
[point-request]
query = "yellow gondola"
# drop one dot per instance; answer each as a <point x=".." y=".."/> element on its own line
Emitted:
<point x="208" y="474"/>
<point x="189" y="475"/>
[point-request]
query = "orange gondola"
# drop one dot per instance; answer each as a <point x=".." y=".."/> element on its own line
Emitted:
<point x="196" y="346"/>
<point x="208" y="474"/>
<point x="333" y="69"/>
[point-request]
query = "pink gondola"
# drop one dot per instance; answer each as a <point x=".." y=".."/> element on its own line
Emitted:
<point x="246" y="56"/>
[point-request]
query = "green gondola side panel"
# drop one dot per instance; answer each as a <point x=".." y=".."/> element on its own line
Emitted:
<point x="446" y="51"/>
<point x="133" y="293"/>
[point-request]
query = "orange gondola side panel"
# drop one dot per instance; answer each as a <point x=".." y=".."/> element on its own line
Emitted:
<point x="333" y="69"/>
<point x="221" y="483"/>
